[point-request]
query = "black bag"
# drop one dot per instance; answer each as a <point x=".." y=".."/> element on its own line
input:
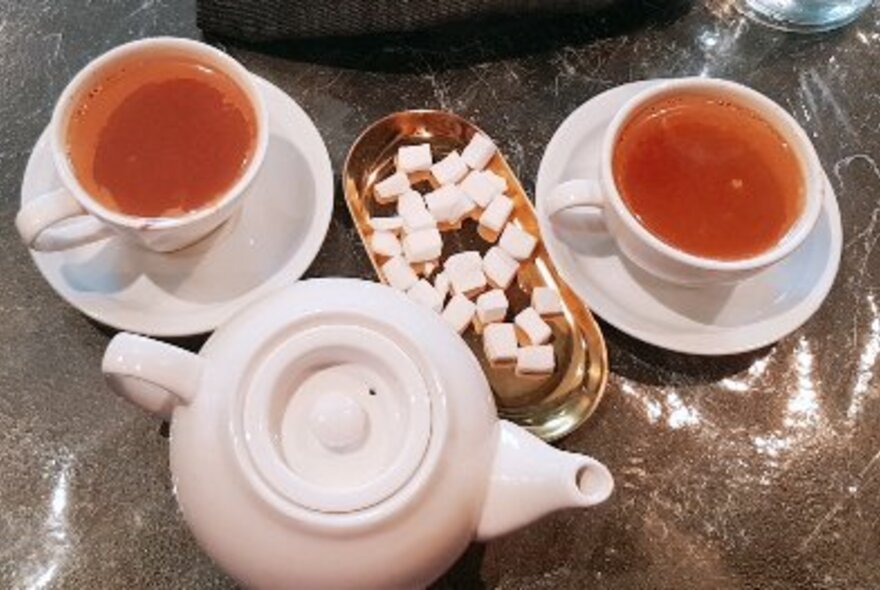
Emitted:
<point x="276" y="20"/>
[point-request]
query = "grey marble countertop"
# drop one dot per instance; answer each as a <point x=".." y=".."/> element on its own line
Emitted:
<point x="754" y="471"/>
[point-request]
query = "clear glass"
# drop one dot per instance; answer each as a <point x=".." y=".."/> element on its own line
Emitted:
<point x="804" y="15"/>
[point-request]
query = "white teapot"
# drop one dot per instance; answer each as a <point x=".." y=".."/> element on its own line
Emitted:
<point x="337" y="435"/>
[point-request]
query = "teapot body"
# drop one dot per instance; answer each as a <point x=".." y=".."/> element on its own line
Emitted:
<point x="338" y="435"/>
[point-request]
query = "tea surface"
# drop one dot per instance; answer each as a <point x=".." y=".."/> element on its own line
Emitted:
<point x="161" y="137"/>
<point x="708" y="177"/>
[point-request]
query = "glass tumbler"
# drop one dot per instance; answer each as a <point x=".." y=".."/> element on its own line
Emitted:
<point x="804" y="16"/>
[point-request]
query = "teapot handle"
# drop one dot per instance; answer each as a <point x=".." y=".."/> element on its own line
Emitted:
<point x="154" y="375"/>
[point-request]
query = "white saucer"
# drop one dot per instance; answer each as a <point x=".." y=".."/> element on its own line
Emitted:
<point x="706" y="321"/>
<point x="269" y="243"/>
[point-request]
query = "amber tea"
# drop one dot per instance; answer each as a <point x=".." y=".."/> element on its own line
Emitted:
<point x="161" y="137"/>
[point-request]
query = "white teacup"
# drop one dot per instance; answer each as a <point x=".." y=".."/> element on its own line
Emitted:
<point x="649" y="252"/>
<point x="70" y="217"/>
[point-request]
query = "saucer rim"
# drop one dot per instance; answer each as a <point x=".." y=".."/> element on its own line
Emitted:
<point x="757" y="335"/>
<point x="210" y="316"/>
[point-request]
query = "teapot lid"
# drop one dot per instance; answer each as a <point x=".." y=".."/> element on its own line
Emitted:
<point x="336" y="414"/>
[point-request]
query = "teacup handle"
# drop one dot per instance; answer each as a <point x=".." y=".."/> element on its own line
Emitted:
<point x="575" y="193"/>
<point x="36" y="219"/>
<point x="156" y="376"/>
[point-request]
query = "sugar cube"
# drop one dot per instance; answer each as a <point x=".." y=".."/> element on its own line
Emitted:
<point x="441" y="284"/>
<point x="390" y="188"/>
<point x="478" y="152"/>
<point x="496" y="180"/>
<point x="424" y="293"/>
<point x="418" y="222"/>
<point x="546" y="301"/>
<point x="465" y="273"/>
<point x="399" y="273"/>
<point x="464" y="207"/>
<point x="422" y="245"/>
<point x="412" y="210"/>
<point x="495" y="215"/>
<point x="480" y="188"/>
<point x="443" y="202"/>
<point x="517" y="242"/>
<point x="468" y="282"/>
<point x="499" y="267"/>
<point x="450" y="169"/>
<point x="535" y="360"/>
<point x="499" y="343"/>
<point x="467" y="259"/>
<point x="459" y="312"/>
<point x="385" y="243"/>
<point x="410" y="202"/>
<point x="492" y="306"/>
<point x="536" y="329"/>
<point x="414" y="158"/>
<point x="392" y="224"/>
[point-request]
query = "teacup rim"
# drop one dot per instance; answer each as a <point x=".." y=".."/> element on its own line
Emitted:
<point x="792" y="131"/>
<point x="239" y="74"/>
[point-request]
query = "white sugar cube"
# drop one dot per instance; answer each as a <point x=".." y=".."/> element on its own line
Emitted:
<point x="450" y="169"/>
<point x="499" y="267"/>
<point x="496" y="180"/>
<point x="517" y="242"/>
<point x="468" y="282"/>
<point x="424" y="293"/>
<point x="499" y="343"/>
<point x="478" y="152"/>
<point x="392" y="224"/>
<point x="496" y="214"/>
<point x="418" y="222"/>
<point x="492" y="306"/>
<point x="414" y="158"/>
<point x="422" y="245"/>
<point x="546" y="301"/>
<point x="410" y="202"/>
<point x="441" y="284"/>
<point x="480" y="188"/>
<point x="464" y="207"/>
<point x="536" y="329"/>
<point x="462" y="260"/>
<point x="399" y="274"/>
<point x="465" y="272"/>
<point x="459" y="312"/>
<point x="532" y="360"/>
<point x="412" y="210"/>
<point x="385" y="243"/>
<point x="390" y="188"/>
<point x="443" y="203"/>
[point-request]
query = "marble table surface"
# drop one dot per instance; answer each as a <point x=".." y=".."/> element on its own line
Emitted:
<point x="754" y="471"/>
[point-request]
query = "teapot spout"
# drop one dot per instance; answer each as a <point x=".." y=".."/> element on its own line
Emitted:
<point x="531" y="479"/>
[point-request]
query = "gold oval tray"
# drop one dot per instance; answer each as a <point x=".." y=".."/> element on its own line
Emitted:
<point x="550" y="406"/>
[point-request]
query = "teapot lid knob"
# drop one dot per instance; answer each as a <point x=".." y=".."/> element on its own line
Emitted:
<point x="339" y="422"/>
